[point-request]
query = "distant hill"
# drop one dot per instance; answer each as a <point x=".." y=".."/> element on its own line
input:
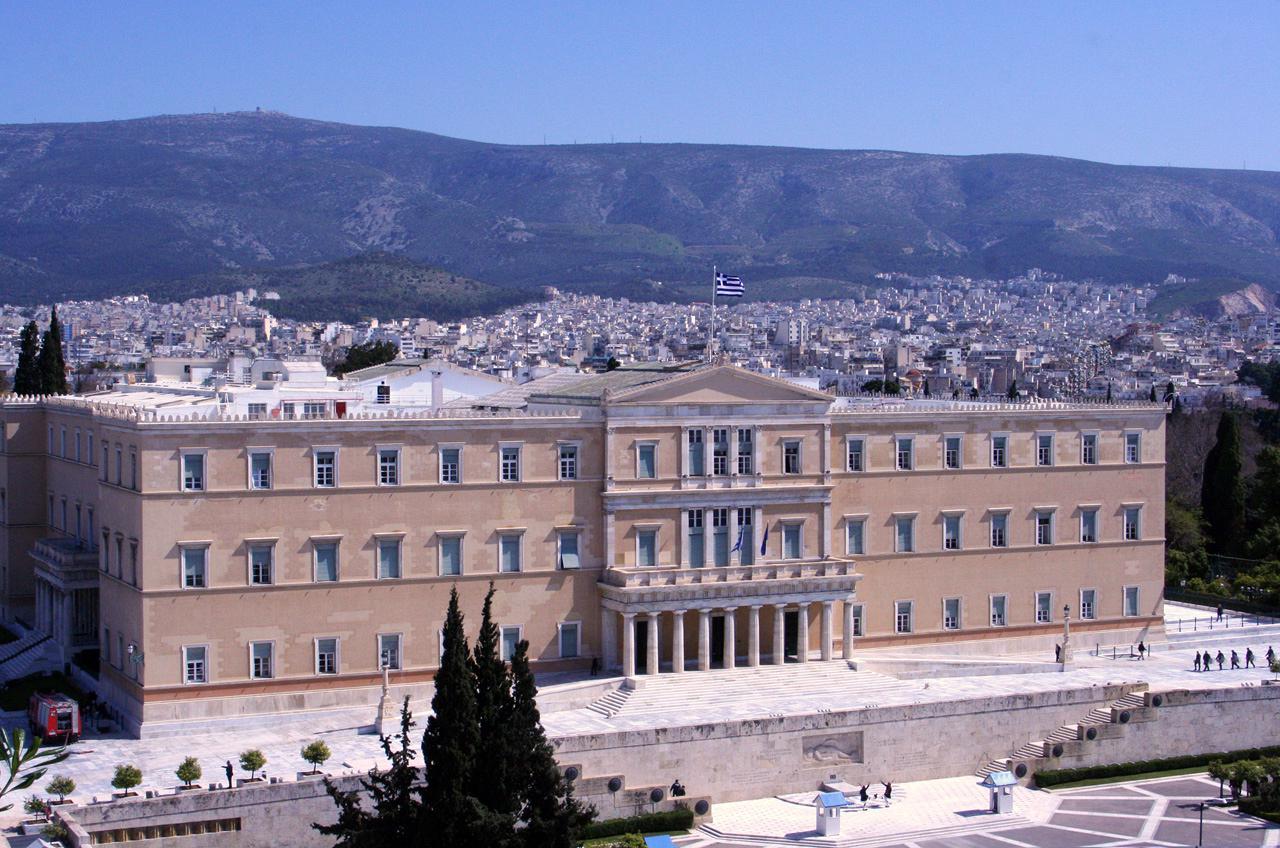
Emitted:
<point x="377" y="285"/>
<point x="96" y="208"/>
<point x="1212" y="298"/>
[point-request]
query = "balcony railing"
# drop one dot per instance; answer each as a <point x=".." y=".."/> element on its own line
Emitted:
<point x="641" y="577"/>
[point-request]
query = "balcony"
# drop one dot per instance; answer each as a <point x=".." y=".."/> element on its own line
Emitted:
<point x="66" y="563"/>
<point x="668" y="587"/>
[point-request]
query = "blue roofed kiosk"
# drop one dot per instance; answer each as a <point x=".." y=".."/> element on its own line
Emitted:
<point x="828" y="806"/>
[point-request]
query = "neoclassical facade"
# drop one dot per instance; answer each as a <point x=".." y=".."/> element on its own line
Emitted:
<point x="655" y="519"/>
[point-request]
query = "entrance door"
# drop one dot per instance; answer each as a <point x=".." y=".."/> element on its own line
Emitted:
<point x="791" y="635"/>
<point x="717" y="641"/>
<point x="642" y="647"/>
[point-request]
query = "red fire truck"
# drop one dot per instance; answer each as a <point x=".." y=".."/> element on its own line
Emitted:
<point x="54" y="715"/>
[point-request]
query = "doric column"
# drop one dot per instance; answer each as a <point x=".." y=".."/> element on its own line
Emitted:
<point x="608" y="639"/>
<point x="628" y="644"/>
<point x="779" y="634"/>
<point x="730" y="637"/>
<point x="651" y="664"/>
<point x="846" y="631"/>
<point x="826" y="630"/>
<point x="753" y="637"/>
<point x="677" y="641"/>
<point x="704" y="640"/>
<point x="802" y="638"/>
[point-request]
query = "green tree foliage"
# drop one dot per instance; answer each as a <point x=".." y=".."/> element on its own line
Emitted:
<point x="126" y="777"/>
<point x="1013" y="390"/>
<point x="1222" y="493"/>
<point x="366" y="355"/>
<point x="316" y="753"/>
<point x="613" y="364"/>
<point x="26" y="377"/>
<point x="493" y="785"/>
<point x="189" y="770"/>
<point x="252" y="760"/>
<point x="1266" y="376"/>
<point x="24" y="763"/>
<point x="61" y="785"/>
<point x="50" y="364"/>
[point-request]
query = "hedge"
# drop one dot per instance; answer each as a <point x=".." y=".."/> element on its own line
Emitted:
<point x="681" y="819"/>
<point x="1259" y="807"/>
<point x="1055" y="777"/>
<point x="1229" y="604"/>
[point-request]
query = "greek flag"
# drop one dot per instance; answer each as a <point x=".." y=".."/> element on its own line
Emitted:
<point x="742" y="534"/>
<point x="727" y="286"/>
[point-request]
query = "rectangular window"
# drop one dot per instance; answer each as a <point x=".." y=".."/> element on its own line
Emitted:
<point x="389" y="650"/>
<point x="260" y="471"/>
<point x="646" y="547"/>
<point x="195" y="567"/>
<point x="261" y="564"/>
<point x="855" y="537"/>
<point x="905" y="534"/>
<point x="720" y="451"/>
<point x="999" y="610"/>
<point x="746" y="452"/>
<point x="63" y="445"/>
<point x="1088" y="604"/>
<point x="1132" y="527"/>
<point x="1088" y="525"/>
<point x="568" y="462"/>
<point x="857" y="619"/>
<point x="999" y="451"/>
<point x="288" y="411"/>
<point x="89" y="447"/>
<point x="951" y="452"/>
<point x="382" y="395"/>
<point x="720" y="536"/>
<point x="1131" y="601"/>
<point x="791" y="540"/>
<point x="1044" y="607"/>
<point x="855" y="455"/>
<point x="570" y="635"/>
<point x="509" y="552"/>
<point x="697" y="551"/>
<point x="313" y="410"/>
<point x="951" y="532"/>
<point x="906" y="454"/>
<point x="902" y="615"/>
<point x="646" y="461"/>
<point x="78" y="452"/>
<point x="195" y="664"/>
<point x="1044" y="450"/>
<point x="951" y="614"/>
<point x="260" y="660"/>
<point x="450" y="465"/>
<point x="326" y="656"/>
<point x="791" y="457"/>
<point x="257" y="411"/>
<point x="388" y="467"/>
<point x="697" y="456"/>
<point x="388" y="559"/>
<point x="192" y="472"/>
<point x="568" y="549"/>
<point x="1089" y="449"/>
<point x="133" y="562"/>
<point x="326" y="564"/>
<point x="510" y="469"/>
<point x="133" y="469"/>
<point x="746" y="542"/>
<point x="999" y="530"/>
<point x="326" y="469"/>
<point x="119" y="466"/>
<point x="1133" y="447"/>
<point x="106" y="464"/>
<point x="450" y="555"/>
<point x="510" y="639"/>
<point x="1044" y="527"/>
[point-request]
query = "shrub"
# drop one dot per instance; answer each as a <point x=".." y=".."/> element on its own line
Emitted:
<point x="34" y="805"/>
<point x="56" y="831"/>
<point x="316" y="753"/>
<point x="61" y="785"/>
<point x="1056" y="777"/>
<point x="189" y="770"/>
<point x="126" y="777"/>
<point x="252" y="760"/>
<point x="681" y="819"/>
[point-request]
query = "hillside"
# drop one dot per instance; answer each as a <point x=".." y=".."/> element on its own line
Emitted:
<point x="88" y="209"/>
<point x="1213" y="298"/>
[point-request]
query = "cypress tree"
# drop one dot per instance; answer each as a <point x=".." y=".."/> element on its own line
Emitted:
<point x="491" y="785"/>
<point x="1222" y="493"/>
<point x="551" y="815"/>
<point x="1169" y="391"/>
<point x="50" y="365"/>
<point x="1152" y="396"/>
<point x="1013" y="390"/>
<point x="26" y="378"/>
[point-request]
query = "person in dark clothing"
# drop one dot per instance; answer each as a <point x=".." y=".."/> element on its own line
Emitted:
<point x="888" y="791"/>
<point x="1271" y="656"/>
<point x="595" y="666"/>
<point x="1235" y="660"/>
<point x="1142" y="649"/>
<point x="1221" y="659"/>
<point x="1208" y="662"/>
<point x="1249" y="659"/>
<point x="862" y="794"/>
<point x="1057" y="653"/>
<point x="677" y="789"/>
<point x="1197" y="660"/>
<point x="1219" y="612"/>
<point x="230" y="773"/>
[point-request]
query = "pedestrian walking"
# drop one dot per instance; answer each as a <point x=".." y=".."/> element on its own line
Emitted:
<point x="1219" y="612"/>
<point x="1221" y="659"/>
<point x="1207" y="662"/>
<point x="862" y="794"/>
<point x="888" y="792"/>
<point x="1271" y="656"/>
<point x="1197" y="660"/>
<point x="1142" y="649"/>
<point x="1057" y="653"/>
<point x="1235" y="660"/>
<point x="1248" y="658"/>
<point x="230" y="773"/>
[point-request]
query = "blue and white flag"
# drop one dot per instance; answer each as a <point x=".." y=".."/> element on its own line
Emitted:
<point x="727" y="286"/>
<point x="742" y="534"/>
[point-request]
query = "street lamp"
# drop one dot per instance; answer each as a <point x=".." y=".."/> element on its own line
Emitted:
<point x="1066" y="635"/>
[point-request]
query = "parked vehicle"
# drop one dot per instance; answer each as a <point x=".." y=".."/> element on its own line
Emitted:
<point x="54" y="716"/>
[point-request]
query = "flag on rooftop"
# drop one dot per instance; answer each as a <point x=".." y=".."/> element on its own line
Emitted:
<point x="727" y="286"/>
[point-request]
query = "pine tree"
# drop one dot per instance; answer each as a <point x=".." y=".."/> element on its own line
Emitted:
<point x="492" y="784"/>
<point x="1222" y="493"/>
<point x="551" y="815"/>
<point x="50" y="366"/>
<point x="26" y="378"/>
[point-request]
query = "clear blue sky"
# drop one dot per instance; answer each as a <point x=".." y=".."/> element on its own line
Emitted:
<point x="1128" y="82"/>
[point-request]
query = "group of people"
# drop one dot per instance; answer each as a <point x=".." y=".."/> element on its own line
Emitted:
<point x="1204" y="662"/>
<point x="863" y="795"/>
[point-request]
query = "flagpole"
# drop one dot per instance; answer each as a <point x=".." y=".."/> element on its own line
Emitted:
<point x="711" y="337"/>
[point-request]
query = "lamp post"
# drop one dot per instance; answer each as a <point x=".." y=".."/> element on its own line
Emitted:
<point x="1066" y="635"/>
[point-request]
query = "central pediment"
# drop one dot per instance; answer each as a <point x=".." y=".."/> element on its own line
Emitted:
<point x="719" y="384"/>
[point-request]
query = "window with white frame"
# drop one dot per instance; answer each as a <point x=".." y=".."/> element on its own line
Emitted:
<point x="327" y="655"/>
<point x="1044" y="607"/>
<point x="1089" y="448"/>
<point x="905" y="526"/>
<point x="257" y="411"/>
<point x="261" y="564"/>
<point x="195" y="566"/>
<point x="1088" y="525"/>
<point x="567" y="549"/>
<point x="260" y="470"/>
<point x="389" y="650"/>
<point x="510" y="464"/>
<point x="195" y="664"/>
<point x="720" y="451"/>
<point x="951" y="532"/>
<point x="951" y="614"/>
<point x="857" y="616"/>
<point x="720" y="536"/>
<point x="999" y="451"/>
<point x="999" y="529"/>
<point x="952" y="451"/>
<point x="261" y="660"/>
<point x="450" y="465"/>
<point x="1044" y="527"/>
<point x="1130" y="601"/>
<point x="903" y="613"/>
<point x="906" y="453"/>
<point x="313" y="409"/>
<point x="326" y="561"/>
<point x="792" y="547"/>
<point x="694" y="523"/>
<point x="855" y="455"/>
<point x="388" y="466"/>
<point x="646" y="547"/>
<point x="389" y="558"/>
<point x="509" y="552"/>
<point x="450" y="555"/>
<point x="1088" y="604"/>
<point x="1132" y="447"/>
<point x="288" y="411"/>
<point x="697" y="454"/>
<point x="999" y="610"/>
<point x="855" y="536"/>
<point x="1132" y="523"/>
<point x="1044" y="449"/>
<point x="325" y="469"/>
<point x="511" y="636"/>
<point x="791" y="456"/>
<point x="192" y="471"/>
<point x="746" y="451"/>
<point x="568" y="462"/>
<point x="570" y="639"/>
<point x="646" y="460"/>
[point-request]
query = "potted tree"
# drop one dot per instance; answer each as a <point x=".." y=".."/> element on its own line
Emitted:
<point x="188" y="772"/>
<point x="315" y="753"/>
<point x="62" y="786"/>
<point x="38" y="809"/>
<point x="252" y="760"/>
<point x="127" y="776"/>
